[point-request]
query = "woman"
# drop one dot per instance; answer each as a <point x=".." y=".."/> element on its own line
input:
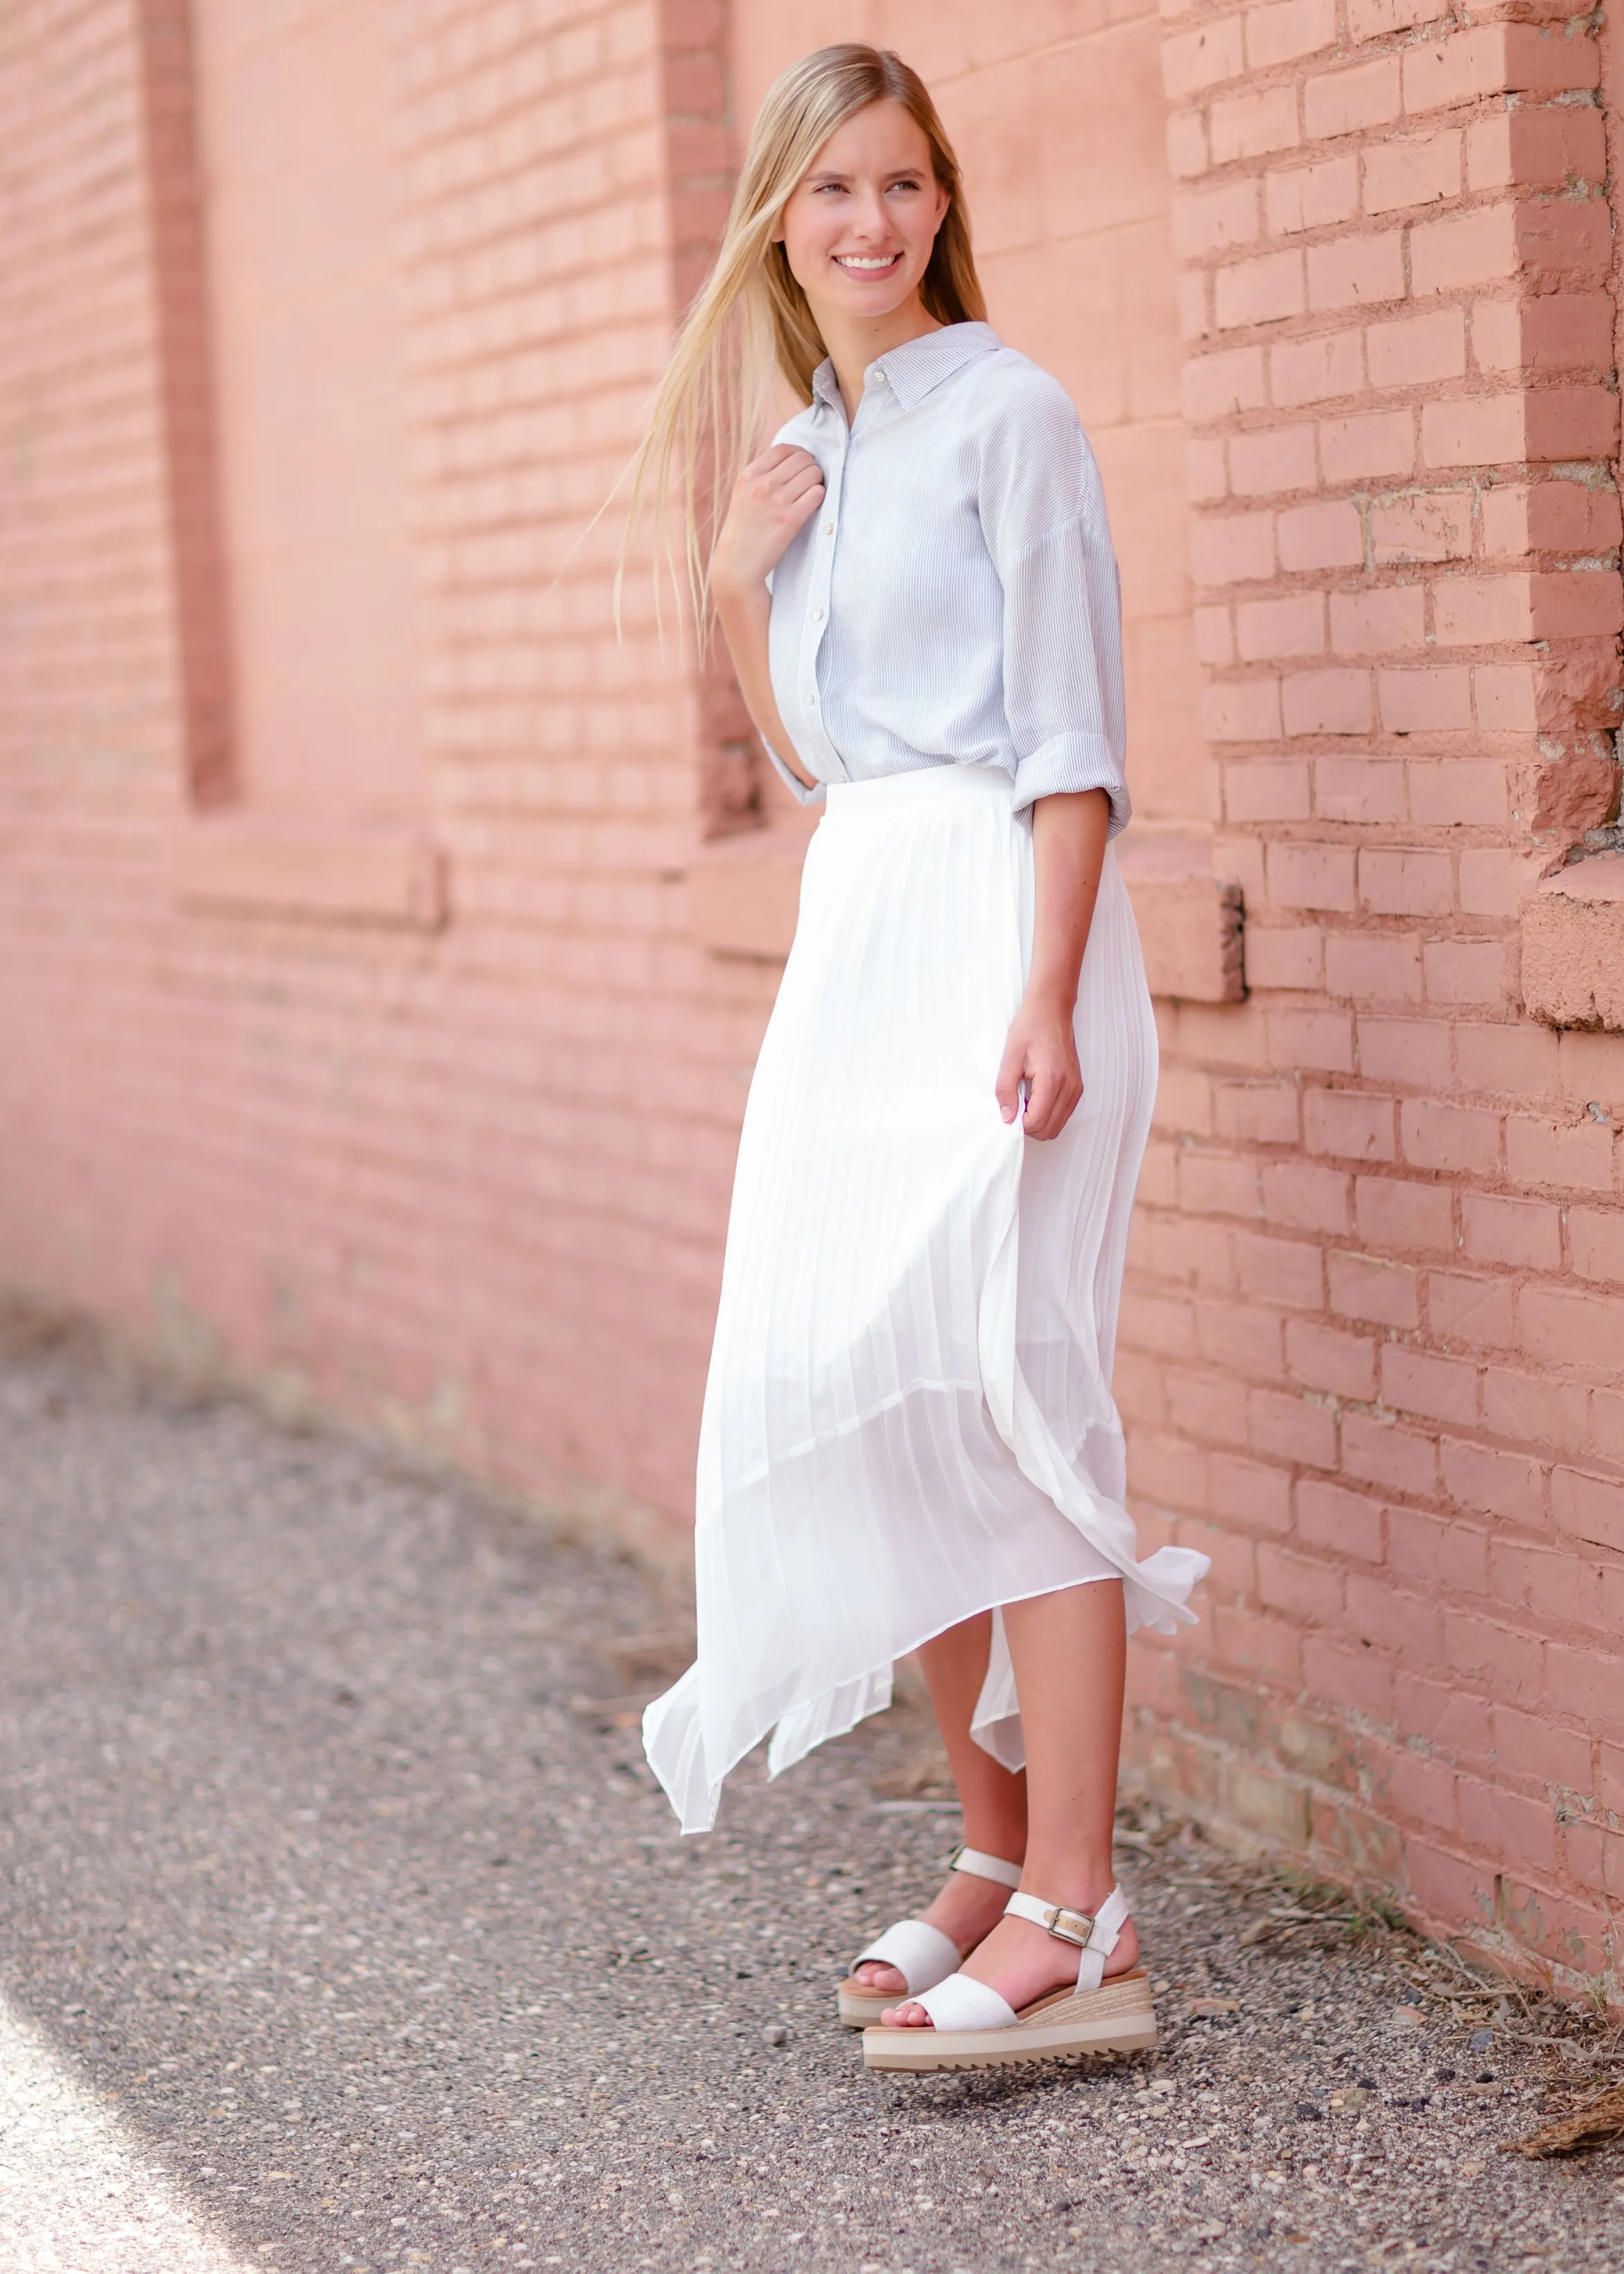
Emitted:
<point x="908" y="1440"/>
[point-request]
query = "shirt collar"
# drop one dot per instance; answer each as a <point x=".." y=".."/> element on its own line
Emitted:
<point x="917" y="366"/>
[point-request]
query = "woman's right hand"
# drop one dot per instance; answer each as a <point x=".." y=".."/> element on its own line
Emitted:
<point x="776" y="493"/>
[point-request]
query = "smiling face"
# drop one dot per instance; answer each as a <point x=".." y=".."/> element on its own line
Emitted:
<point x="859" y="227"/>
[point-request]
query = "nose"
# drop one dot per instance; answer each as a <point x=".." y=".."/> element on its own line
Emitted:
<point x="867" y="218"/>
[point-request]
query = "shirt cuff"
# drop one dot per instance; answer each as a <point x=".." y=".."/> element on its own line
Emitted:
<point x="1069" y="762"/>
<point x="802" y="794"/>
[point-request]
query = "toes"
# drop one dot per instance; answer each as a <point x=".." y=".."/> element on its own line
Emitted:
<point x="905" y="2017"/>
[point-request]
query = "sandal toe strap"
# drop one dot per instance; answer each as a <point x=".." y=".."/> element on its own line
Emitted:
<point x="922" y="1954"/>
<point x="960" y="2003"/>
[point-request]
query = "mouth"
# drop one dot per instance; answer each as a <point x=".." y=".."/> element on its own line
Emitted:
<point x="868" y="264"/>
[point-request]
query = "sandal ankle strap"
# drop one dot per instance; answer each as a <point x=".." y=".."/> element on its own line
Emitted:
<point x="1093" y="1937"/>
<point x="979" y="1865"/>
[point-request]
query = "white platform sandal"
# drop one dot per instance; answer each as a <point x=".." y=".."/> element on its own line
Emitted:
<point x="921" y="1953"/>
<point x="972" y="2028"/>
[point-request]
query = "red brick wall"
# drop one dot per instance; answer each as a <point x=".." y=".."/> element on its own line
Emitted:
<point x="1372" y="1348"/>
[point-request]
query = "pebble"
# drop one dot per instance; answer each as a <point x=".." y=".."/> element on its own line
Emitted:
<point x="314" y="1879"/>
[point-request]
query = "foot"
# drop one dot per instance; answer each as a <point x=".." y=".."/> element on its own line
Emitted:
<point x="1021" y="1962"/>
<point x="966" y="1911"/>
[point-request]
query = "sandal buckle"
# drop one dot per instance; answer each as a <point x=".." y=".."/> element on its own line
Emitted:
<point x="1069" y="1926"/>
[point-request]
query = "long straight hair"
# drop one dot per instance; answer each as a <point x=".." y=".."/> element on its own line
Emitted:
<point x="751" y="318"/>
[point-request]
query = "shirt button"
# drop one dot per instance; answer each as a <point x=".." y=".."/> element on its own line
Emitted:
<point x="817" y="615"/>
<point x="811" y="701"/>
<point x="829" y="529"/>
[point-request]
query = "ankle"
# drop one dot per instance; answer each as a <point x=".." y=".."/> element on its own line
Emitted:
<point x="1079" y="1882"/>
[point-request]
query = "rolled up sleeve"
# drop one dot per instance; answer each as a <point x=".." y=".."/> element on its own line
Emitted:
<point x="1062" y="678"/>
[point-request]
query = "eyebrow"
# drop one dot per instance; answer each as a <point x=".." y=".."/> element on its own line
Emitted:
<point x="897" y="173"/>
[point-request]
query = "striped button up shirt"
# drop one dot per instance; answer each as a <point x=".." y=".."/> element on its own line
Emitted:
<point x="955" y="599"/>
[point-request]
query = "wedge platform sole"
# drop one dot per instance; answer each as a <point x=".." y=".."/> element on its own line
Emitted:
<point x="1118" y="2017"/>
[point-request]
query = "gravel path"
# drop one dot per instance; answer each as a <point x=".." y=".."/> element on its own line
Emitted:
<point x="329" y="1866"/>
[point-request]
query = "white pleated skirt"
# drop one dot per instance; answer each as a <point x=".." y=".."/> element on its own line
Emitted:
<point x="908" y="1416"/>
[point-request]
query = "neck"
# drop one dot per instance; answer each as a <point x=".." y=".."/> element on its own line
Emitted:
<point x="854" y="343"/>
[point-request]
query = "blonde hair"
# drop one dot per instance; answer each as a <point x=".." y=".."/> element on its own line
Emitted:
<point x="751" y="316"/>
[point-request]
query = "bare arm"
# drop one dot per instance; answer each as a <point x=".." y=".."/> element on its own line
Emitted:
<point x="1069" y="833"/>
<point x="773" y="496"/>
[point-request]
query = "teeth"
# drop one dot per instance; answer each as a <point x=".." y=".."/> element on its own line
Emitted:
<point x="853" y="261"/>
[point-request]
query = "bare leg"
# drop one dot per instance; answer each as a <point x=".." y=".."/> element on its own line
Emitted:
<point x="1070" y="1653"/>
<point x="954" y="1665"/>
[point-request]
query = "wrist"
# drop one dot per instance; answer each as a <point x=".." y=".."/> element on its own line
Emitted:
<point x="1051" y="996"/>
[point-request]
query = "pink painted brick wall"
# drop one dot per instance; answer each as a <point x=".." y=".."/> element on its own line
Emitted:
<point x="1347" y="354"/>
<point x="1380" y="1386"/>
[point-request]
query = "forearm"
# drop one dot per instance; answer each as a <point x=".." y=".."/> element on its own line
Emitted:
<point x="1069" y="833"/>
<point x="743" y="615"/>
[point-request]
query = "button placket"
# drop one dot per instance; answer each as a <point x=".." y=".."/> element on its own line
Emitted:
<point x="816" y="622"/>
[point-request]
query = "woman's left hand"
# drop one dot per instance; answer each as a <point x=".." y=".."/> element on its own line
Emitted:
<point x="1041" y="1052"/>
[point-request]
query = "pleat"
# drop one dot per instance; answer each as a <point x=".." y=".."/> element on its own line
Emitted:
<point x="908" y="1416"/>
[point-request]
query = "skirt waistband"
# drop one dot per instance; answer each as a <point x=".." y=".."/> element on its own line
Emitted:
<point x="926" y="784"/>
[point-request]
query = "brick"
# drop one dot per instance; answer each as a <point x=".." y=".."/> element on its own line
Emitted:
<point x="1326" y="535"/>
<point x="1186" y="145"/>
<point x="1261" y="290"/>
<point x="1466" y="971"/>
<point x="1201" y="58"/>
<point x="1217" y="1184"/>
<point x="1320" y="1041"/>
<point x="1465" y="1306"/>
<point x="1312" y="197"/>
<point x="1391" y="1618"/>
<point x="1585" y="1682"/>
<point x="1251" y="1494"/>
<point x="1493" y="1483"/>
<point x="1442" y="1554"/>
<point x="1459" y="251"/>
<point x="1234" y="549"/>
<point x="1508" y="1824"/>
<point x="1325" y="1358"/>
<point x="1275" y="1270"/>
<point x="1460" y="1139"/>
<point x="1329" y="1515"/>
<point x="1287" y="1428"/>
<point x="1280" y="955"/>
<point x="1349" y="1675"/>
<point x="1217" y="386"/>
<point x="1498" y="1230"/>
<point x="1241" y="1337"/>
<point x="1536" y="148"/>
<point x="1530" y="1409"/>
<point x="1577" y="1154"/>
<point x="1304" y="875"/>
<point x="1254" y="125"/>
<point x="1487" y="430"/>
<point x="1359" y="789"/>
<point x="1392" y="1213"/>
<point x="1376" y="623"/>
<point x="1347" y="101"/>
<point x="1431" y="700"/>
<point x="1417" y="351"/>
<point x="1303" y="1194"/>
<point x="1413" y="1786"/>
<point x="1517" y="1061"/>
<point x="1241" y="710"/>
<point x="1282" y="30"/>
<point x="1449" y="1718"/>
<point x="1416" y="170"/>
<point x="1508" y="1659"/>
<point x="1356" y="272"/>
<point x="1368" y="20"/>
<point x="1571" y="1327"/>
<point x="1459" y="793"/>
<point x="1266" y="789"/>
<point x="1589" y="1507"/>
<point x="1216" y="219"/>
<point x="1397" y="881"/>
<point x="1350" y="1124"/>
<point x="1290" y="626"/>
<point x="1256" y="1112"/>
<point x="1372" y="445"/>
<point x="1596" y="1239"/>
<point x="1383" y="1453"/>
<point x="1372" y="968"/>
<point x="1415" y="1052"/>
<point x="1420" y="1382"/>
<point x="1316" y="370"/>
<point x="1528" y="1745"/>
<point x="1421" y="525"/>
<point x="1596" y="1856"/>
<point x="1326" y="703"/>
<point x="1374" y="1290"/>
<point x="1492" y="59"/>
